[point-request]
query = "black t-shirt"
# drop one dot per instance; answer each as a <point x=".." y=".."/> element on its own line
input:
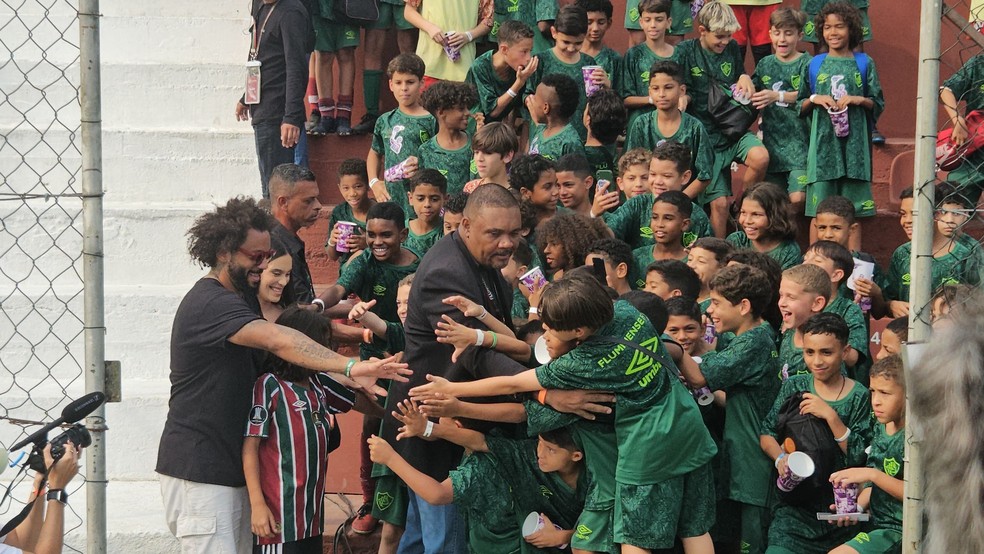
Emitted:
<point x="301" y="286"/>
<point x="211" y="387"/>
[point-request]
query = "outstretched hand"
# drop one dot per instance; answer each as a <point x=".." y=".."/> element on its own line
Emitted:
<point x="451" y="332"/>
<point x="436" y="385"/>
<point x="414" y="422"/>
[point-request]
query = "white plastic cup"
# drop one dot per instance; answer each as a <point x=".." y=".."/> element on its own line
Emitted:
<point x="532" y="524"/>
<point x="540" y="350"/>
<point x="799" y="466"/>
<point x="345" y="230"/>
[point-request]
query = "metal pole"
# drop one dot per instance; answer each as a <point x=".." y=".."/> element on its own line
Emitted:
<point x="922" y="251"/>
<point x="92" y="269"/>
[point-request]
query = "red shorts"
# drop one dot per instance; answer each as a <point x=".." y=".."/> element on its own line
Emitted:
<point x="754" y="21"/>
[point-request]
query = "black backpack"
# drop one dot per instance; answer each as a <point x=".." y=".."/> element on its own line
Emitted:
<point x="812" y="437"/>
<point x="352" y="12"/>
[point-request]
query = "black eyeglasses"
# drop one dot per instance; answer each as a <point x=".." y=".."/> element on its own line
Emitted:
<point x="258" y="257"/>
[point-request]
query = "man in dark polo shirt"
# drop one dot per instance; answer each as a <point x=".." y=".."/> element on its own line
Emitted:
<point x="217" y="344"/>
<point x="294" y="204"/>
<point x="465" y="263"/>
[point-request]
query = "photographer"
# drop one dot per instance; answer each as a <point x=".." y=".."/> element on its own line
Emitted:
<point x="43" y="533"/>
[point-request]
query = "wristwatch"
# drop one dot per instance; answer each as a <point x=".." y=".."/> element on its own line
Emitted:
<point x="57" y="494"/>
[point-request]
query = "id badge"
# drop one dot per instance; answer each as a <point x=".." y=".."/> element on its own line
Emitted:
<point x="252" y="95"/>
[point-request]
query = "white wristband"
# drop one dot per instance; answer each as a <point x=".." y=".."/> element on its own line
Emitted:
<point x="651" y="103"/>
<point x="844" y="438"/>
<point x="373" y="181"/>
<point x="319" y="302"/>
<point x="470" y="37"/>
<point x="782" y="97"/>
<point x="813" y="98"/>
<point x="479" y="337"/>
<point x="429" y="429"/>
<point x="511" y="93"/>
<point x="533" y="311"/>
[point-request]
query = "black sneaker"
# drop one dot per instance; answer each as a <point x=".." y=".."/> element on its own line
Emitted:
<point x="366" y="125"/>
<point x="344" y="126"/>
<point x="326" y="126"/>
<point x="877" y="137"/>
<point x="312" y="121"/>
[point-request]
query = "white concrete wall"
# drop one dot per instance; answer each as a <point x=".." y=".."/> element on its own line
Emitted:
<point x="172" y="149"/>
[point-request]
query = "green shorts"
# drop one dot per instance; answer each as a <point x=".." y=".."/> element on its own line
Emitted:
<point x="793" y="181"/>
<point x="332" y="37"/>
<point x="632" y="15"/>
<point x="391" y="15"/>
<point x="681" y="22"/>
<point x="720" y="185"/>
<point x="797" y="531"/>
<point x="653" y="516"/>
<point x="391" y="500"/>
<point x="857" y="191"/>
<point x="754" y="528"/>
<point x="877" y="541"/>
<point x="810" y="29"/>
<point x="594" y="531"/>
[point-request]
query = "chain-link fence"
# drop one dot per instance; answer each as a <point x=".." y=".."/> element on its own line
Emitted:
<point x="41" y="231"/>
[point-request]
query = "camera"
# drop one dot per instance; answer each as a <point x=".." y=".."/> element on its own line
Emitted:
<point x="77" y="433"/>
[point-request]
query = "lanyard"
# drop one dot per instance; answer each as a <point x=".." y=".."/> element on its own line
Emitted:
<point x="255" y="50"/>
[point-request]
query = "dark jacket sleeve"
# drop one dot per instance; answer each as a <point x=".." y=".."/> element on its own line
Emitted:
<point x="296" y="29"/>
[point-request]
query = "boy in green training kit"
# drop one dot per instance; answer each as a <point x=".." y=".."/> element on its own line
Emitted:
<point x="449" y="151"/>
<point x="667" y="123"/>
<point x="778" y="79"/>
<point x="716" y="57"/>
<point x="839" y="159"/>
<point x="567" y="59"/>
<point x="669" y="220"/>
<point x="353" y="184"/>
<point x="428" y="191"/>
<point x="595" y="345"/>
<point x="398" y="133"/>
<point x="837" y="262"/>
<point x="498" y="483"/>
<point x="843" y="407"/>
<point x="885" y="470"/>
<point x="669" y="170"/>
<point x="538" y="15"/>
<point x="551" y="108"/>
<point x="747" y="372"/>
<point x="604" y="119"/>
<point x="635" y="81"/>
<point x="599" y="22"/>
<point x="500" y="75"/>
<point x="803" y="293"/>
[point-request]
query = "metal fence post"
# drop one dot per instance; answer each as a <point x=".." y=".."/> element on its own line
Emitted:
<point x="922" y="249"/>
<point x="92" y="264"/>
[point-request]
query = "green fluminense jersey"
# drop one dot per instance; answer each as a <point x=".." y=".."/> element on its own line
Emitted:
<point x="784" y="133"/>
<point x="397" y="136"/>
<point x="747" y="371"/>
<point x="499" y="488"/>
<point x="567" y="141"/>
<point x="886" y="456"/>
<point x="422" y="243"/>
<point x="962" y="265"/>
<point x="455" y="165"/>
<point x="612" y="62"/>
<point x="550" y="64"/>
<point x="630" y="222"/>
<point x="829" y="157"/>
<point x="725" y="67"/>
<point x="645" y="133"/>
<point x="490" y="87"/>
<point x="641" y="258"/>
<point x="601" y="158"/>
<point x="787" y="253"/>
<point x="652" y="406"/>
<point x="634" y="80"/>
<point x="530" y="12"/>
<point x="852" y="315"/>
